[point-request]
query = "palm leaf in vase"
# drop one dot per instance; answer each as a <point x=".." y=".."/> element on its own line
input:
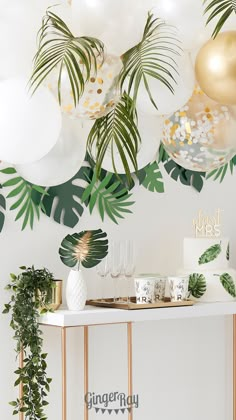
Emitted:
<point x="221" y="9"/>
<point x="60" y="49"/>
<point x="210" y="254"/>
<point x="87" y="248"/>
<point x="151" y="58"/>
<point x="197" y="285"/>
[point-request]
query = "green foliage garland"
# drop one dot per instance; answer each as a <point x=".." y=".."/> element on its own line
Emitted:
<point x="31" y="290"/>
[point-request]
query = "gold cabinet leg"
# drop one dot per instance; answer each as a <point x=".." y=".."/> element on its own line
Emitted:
<point x="234" y="367"/>
<point x="64" y="373"/>
<point x="86" y="369"/>
<point x="130" y="365"/>
<point x="21" y="394"/>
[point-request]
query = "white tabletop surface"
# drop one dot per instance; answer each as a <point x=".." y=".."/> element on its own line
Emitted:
<point x="98" y="316"/>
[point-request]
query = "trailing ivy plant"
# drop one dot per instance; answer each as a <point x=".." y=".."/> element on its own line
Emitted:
<point x="221" y="9"/>
<point x="30" y="291"/>
<point x="29" y="198"/>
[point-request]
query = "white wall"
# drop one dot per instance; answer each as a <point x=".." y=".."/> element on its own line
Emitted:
<point x="182" y="369"/>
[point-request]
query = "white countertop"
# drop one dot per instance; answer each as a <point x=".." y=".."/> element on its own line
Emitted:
<point x="97" y="316"/>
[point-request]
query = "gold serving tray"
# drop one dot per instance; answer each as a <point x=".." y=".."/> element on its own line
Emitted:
<point x="109" y="303"/>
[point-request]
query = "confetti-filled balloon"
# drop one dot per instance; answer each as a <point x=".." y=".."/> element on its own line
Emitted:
<point x="100" y="95"/>
<point x="201" y="135"/>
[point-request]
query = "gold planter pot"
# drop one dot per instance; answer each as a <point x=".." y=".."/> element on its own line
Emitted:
<point x="56" y="298"/>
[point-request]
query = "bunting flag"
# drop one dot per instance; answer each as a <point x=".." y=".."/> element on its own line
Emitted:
<point x="111" y="410"/>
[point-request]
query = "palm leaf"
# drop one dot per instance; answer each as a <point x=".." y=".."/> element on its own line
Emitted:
<point x="151" y="58"/>
<point x="59" y="48"/>
<point x="153" y="180"/>
<point x="117" y="130"/>
<point x="2" y="210"/>
<point x="220" y="173"/>
<point x="28" y="198"/>
<point x="197" y="285"/>
<point x="210" y="254"/>
<point x="87" y="248"/>
<point x="110" y="198"/>
<point x="221" y="9"/>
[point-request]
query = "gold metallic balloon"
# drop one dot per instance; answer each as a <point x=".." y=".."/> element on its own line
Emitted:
<point x="216" y="68"/>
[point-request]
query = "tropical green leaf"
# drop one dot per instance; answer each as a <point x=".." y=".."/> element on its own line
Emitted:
<point x="88" y="248"/>
<point x="28" y="198"/>
<point x="109" y="197"/>
<point x="60" y="49"/>
<point x="210" y="254"/>
<point x="221" y="9"/>
<point x="197" y="285"/>
<point x="228" y="252"/>
<point x="220" y="173"/>
<point x="185" y="176"/>
<point x="151" y="58"/>
<point x="116" y="131"/>
<point x="2" y="210"/>
<point x="63" y="202"/>
<point x="228" y="283"/>
<point x="153" y="180"/>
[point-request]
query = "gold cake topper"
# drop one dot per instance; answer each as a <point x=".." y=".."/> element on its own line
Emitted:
<point x="207" y="226"/>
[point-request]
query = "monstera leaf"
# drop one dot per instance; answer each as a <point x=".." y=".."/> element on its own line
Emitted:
<point x="2" y="208"/>
<point x="185" y="176"/>
<point x="197" y="285"/>
<point x="63" y="201"/>
<point x="87" y="248"/>
<point x="110" y="198"/>
<point x="152" y="179"/>
<point x="210" y="254"/>
<point x="228" y="283"/>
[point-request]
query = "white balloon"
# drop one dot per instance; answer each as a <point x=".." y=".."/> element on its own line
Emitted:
<point x="29" y="125"/>
<point x="150" y="129"/>
<point x="64" y="160"/>
<point x="166" y="101"/>
<point x="20" y="22"/>
<point x="119" y="24"/>
<point x="188" y="17"/>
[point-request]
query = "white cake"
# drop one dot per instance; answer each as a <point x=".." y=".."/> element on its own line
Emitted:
<point x="207" y="263"/>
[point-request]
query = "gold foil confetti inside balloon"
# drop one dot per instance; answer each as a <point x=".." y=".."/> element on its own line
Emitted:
<point x="101" y="92"/>
<point x="201" y="135"/>
<point x="216" y="68"/>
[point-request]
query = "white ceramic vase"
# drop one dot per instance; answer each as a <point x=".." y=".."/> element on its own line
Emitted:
<point x="76" y="291"/>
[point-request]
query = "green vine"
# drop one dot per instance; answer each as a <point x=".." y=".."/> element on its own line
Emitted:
<point x="31" y="291"/>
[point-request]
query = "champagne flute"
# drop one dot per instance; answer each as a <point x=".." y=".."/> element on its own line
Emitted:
<point x="116" y="266"/>
<point x="129" y="266"/>
<point x="103" y="270"/>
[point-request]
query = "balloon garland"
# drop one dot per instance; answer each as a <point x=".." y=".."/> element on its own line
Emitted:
<point x="109" y="89"/>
